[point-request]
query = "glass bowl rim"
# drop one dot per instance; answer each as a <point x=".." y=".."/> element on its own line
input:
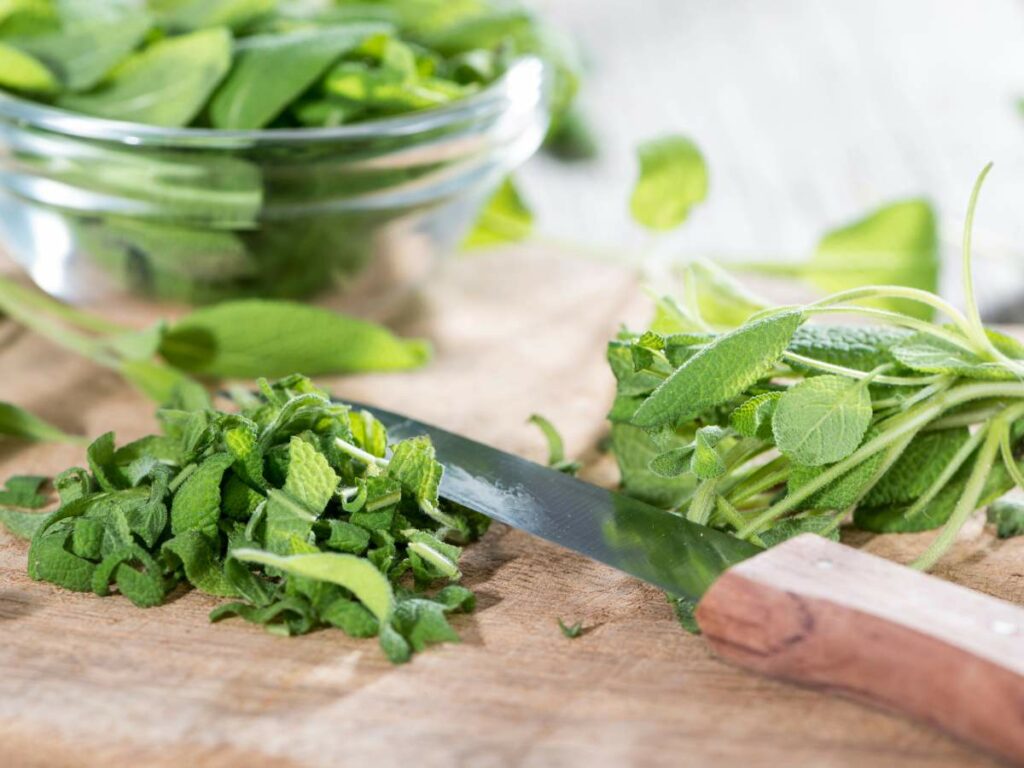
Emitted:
<point x="493" y="99"/>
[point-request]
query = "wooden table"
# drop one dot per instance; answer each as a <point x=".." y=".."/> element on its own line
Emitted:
<point x="95" y="681"/>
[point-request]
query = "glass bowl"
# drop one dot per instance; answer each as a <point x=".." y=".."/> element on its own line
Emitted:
<point x="93" y="208"/>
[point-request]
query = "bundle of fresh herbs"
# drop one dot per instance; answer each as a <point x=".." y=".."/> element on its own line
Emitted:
<point x="756" y="421"/>
<point x="292" y="506"/>
<point x="248" y="64"/>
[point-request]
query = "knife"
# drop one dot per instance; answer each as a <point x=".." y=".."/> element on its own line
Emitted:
<point x="809" y="610"/>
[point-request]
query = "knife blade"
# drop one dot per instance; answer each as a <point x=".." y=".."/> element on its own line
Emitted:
<point x="809" y="610"/>
<point x="659" y="547"/>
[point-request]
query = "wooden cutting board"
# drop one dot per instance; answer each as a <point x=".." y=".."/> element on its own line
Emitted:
<point x="90" y="681"/>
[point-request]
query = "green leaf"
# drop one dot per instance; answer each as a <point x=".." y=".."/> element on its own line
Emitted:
<point x="686" y="613"/>
<point x="272" y="71"/>
<point x="288" y="616"/>
<point x="927" y="354"/>
<point x="571" y="631"/>
<point x="20" y="71"/>
<point x="719" y="372"/>
<point x="353" y="573"/>
<point x="917" y="468"/>
<point x="754" y="417"/>
<point x="347" y="537"/>
<point x="1008" y="517"/>
<point x="635" y="451"/>
<point x="706" y="462"/>
<point x="275" y="338"/>
<point x="822" y="420"/>
<point x="862" y="348"/>
<point x="673" y="179"/>
<point x="166" y="84"/>
<point x="311" y="481"/>
<point x="49" y="560"/>
<point x="91" y="39"/>
<point x="188" y="15"/>
<point x="795" y="526"/>
<point x="895" y="245"/>
<point x="196" y="505"/>
<point x="556" y="448"/>
<point x="103" y="465"/>
<point x="288" y="521"/>
<point x="23" y="491"/>
<point x="18" y="423"/>
<point x="414" y="466"/>
<point x="24" y="525"/>
<point x="351" y="618"/>
<point x="432" y="558"/>
<point x="194" y="552"/>
<point x="896" y="518"/>
<point x="505" y="218"/>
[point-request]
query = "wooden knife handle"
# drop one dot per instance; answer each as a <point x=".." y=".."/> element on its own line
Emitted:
<point x="817" y="613"/>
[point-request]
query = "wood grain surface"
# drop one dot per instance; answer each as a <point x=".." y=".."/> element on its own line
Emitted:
<point x="815" y="612"/>
<point x="90" y="681"/>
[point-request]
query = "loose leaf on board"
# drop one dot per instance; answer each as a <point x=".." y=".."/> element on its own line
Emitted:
<point x="18" y="423"/>
<point x="274" y="338"/>
<point x="673" y="179"/>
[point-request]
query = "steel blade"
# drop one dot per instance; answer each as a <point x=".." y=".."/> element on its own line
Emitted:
<point x="664" y="549"/>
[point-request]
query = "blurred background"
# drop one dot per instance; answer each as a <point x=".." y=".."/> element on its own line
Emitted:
<point x="809" y="114"/>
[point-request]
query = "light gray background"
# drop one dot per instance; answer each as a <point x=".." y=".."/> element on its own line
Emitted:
<point x="810" y="113"/>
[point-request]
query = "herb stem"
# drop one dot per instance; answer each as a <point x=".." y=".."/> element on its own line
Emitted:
<point x="734" y="518"/>
<point x="1006" y="449"/>
<point x="358" y="453"/>
<point x="853" y="373"/>
<point x="897" y="292"/>
<point x="967" y="503"/>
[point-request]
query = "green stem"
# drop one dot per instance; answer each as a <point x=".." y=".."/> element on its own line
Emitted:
<point x="42" y="302"/>
<point x="703" y="502"/>
<point x="853" y="373"/>
<point x="967" y="503"/>
<point x="734" y="518"/>
<point x="358" y="453"/>
<point x="896" y="292"/>
<point x="46" y="325"/>
<point x="1006" y="449"/>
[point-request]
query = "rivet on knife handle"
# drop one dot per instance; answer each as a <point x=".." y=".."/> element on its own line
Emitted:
<point x="821" y="614"/>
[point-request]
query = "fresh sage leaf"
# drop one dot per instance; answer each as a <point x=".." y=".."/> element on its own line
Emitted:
<point x="719" y="372"/>
<point x="822" y="420"/>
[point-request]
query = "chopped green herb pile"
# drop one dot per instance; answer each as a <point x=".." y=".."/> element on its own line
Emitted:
<point x="755" y="421"/>
<point x="248" y="64"/>
<point x="294" y="508"/>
